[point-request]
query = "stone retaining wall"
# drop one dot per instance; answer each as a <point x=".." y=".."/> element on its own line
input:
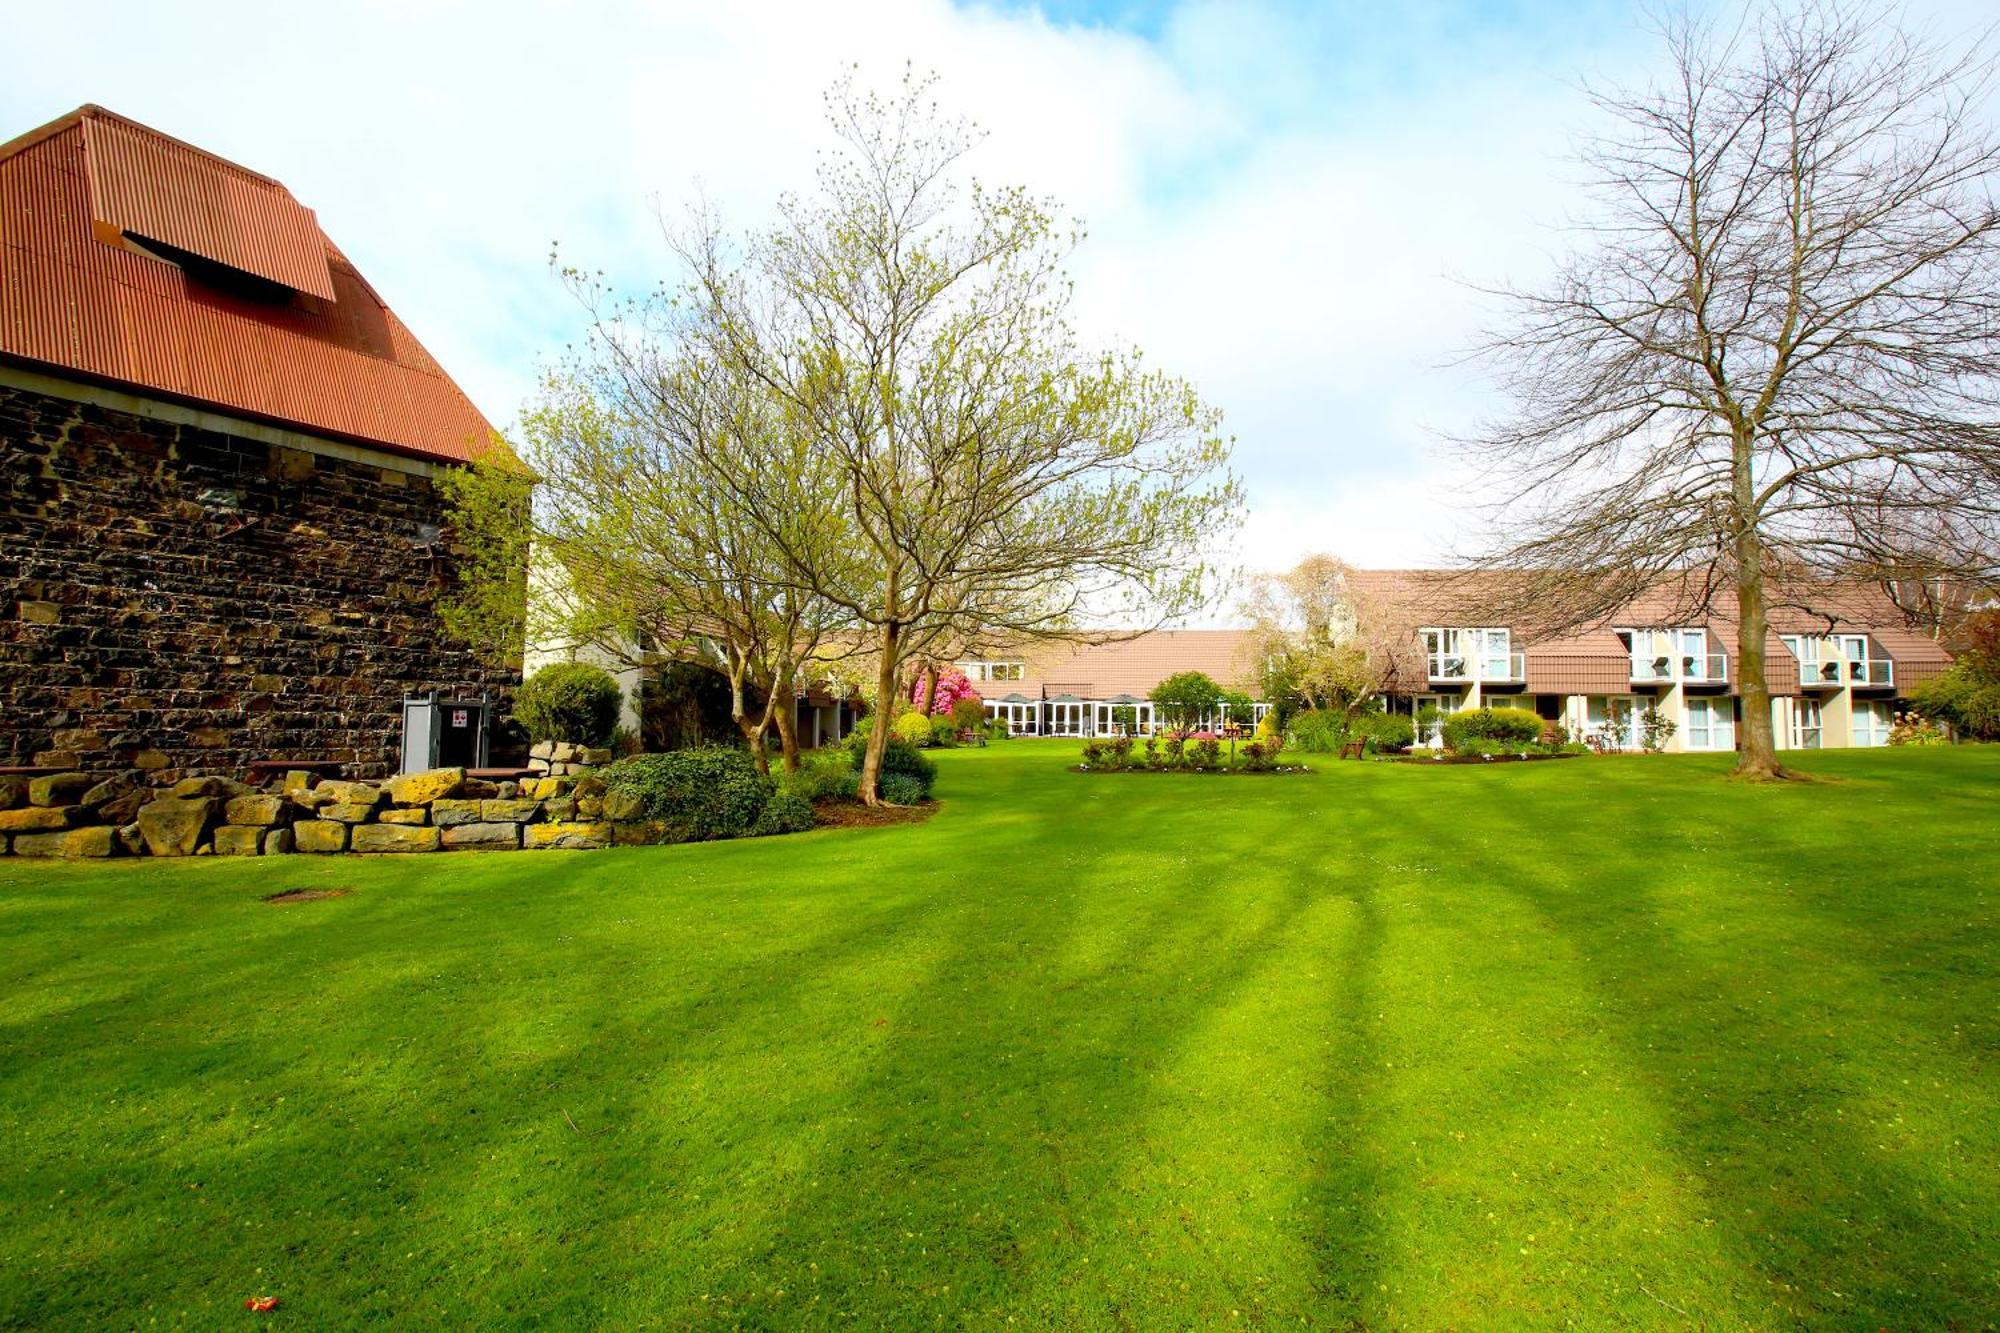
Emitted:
<point x="81" y="815"/>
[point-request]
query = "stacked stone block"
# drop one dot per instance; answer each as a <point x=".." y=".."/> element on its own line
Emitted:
<point x="83" y="815"/>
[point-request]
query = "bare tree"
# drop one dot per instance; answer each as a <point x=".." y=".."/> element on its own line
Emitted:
<point x="1779" y="336"/>
<point x="1000" y="481"/>
<point x="1317" y="636"/>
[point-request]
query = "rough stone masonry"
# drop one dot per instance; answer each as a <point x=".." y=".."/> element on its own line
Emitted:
<point x="175" y="598"/>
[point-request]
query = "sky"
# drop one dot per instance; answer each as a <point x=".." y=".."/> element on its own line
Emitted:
<point x="1292" y="205"/>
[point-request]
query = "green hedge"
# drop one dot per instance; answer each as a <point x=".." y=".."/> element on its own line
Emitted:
<point x="570" y="701"/>
<point x="698" y="795"/>
<point x="1506" y="727"/>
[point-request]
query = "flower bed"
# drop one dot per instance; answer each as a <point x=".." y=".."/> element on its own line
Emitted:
<point x="1194" y="752"/>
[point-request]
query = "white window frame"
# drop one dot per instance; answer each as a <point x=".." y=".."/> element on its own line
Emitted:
<point x="1808" y="724"/>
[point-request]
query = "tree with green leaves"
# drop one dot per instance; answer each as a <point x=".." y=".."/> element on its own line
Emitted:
<point x="998" y="480"/>
<point x="1316" y="640"/>
<point x="1183" y="699"/>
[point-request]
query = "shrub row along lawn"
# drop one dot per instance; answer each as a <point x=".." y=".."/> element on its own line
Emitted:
<point x="1611" y="1041"/>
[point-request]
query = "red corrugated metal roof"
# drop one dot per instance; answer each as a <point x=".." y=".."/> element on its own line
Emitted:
<point x="335" y="360"/>
<point x="149" y="186"/>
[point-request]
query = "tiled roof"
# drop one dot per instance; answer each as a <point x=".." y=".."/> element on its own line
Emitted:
<point x="1132" y="665"/>
<point x="131" y="258"/>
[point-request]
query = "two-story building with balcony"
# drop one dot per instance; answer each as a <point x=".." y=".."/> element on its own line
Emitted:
<point x="1835" y="668"/>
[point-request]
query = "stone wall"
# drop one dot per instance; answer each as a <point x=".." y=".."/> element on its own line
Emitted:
<point x="177" y="598"/>
<point x="85" y="815"/>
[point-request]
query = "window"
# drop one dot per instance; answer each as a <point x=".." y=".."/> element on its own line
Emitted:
<point x="1872" y="720"/>
<point x="1711" y="724"/>
<point x="1805" y="724"/>
<point x="994" y="670"/>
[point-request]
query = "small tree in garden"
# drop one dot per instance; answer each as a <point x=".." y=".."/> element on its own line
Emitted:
<point x="1184" y="698"/>
<point x="998" y="477"/>
<point x="1315" y="640"/>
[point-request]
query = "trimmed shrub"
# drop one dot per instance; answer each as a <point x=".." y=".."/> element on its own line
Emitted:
<point x="1514" y="729"/>
<point x="968" y="712"/>
<point x="1183" y="698"/>
<point x="1318" y="731"/>
<point x="1963" y="699"/>
<point x="996" y="730"/>
<point x="697" y="794"/>
<point x="904" y="789"/>
<point x="913" y="728"/>
<point x="1381" y="733"/>
<point x="825" y="774"/>
<point x="783" y="813"/>
<point x="944" y="731"/>
<point x="899" y="756"/>
<point x="1112" y="753"/>
<point x="570" y="701"/>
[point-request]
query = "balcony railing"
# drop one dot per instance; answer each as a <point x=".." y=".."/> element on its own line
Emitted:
<point x="1695" y="668"/>
<point x="1451" y="666"/>
<point x="1491" y="666"/>
<point x="1706" y="668"/>
<point x="1871" y="671"/>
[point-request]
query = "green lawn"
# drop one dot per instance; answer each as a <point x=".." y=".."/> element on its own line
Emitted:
<point x="1610" y="1042"/>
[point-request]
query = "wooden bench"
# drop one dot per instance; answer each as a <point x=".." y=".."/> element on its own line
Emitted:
<point x="1353" y="749"/>
<point x="263" y="770"/>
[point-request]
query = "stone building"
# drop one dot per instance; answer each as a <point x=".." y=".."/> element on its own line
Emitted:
<point x="220" y="538"/>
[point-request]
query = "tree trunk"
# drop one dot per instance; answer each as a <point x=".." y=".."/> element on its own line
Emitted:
<point x="785" y="715"/>
<point x="885" y="715"/>
<point x="929" y="701"/>
<point x="753" y="731"/>
<point x="1758" y="759"/>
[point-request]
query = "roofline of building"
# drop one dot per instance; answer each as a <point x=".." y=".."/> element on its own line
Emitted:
<point x="228" y="420"/>
<point x="28" y="140"/>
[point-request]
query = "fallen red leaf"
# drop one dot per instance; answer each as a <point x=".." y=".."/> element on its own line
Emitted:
<point x="260" y="1304"/>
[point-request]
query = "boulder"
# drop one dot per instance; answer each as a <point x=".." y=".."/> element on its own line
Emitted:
<point x="278" y="842"/>
<point x="175" y="825"/>
<point x="393" y="838"/>
<point x="542" y="750"/>
<point x="478" y="789"/>
<point x="539" y="789"/>
<point x="223" y="787"/>
<point x="594" y="757"/>
<point x="124" y="808"/>
<point x="566" y="834"/>
<point x="348" y="814"/>
<point x="310" y="798"/>
<point x="262" y="811"/>
<point x="349" y="793"/>
<point x="509" y="812"/>
<point x="298" y="779"/>
<point x="481" y="837"/>
<point x="59" y="788"/>
<point x="455" y="810"/>
<point x="107" y="791"/>
<point x="623" y="805"/>
<point x="132" y="840"/>
<point x="72" y="844"/>
<point x="423" y="788"/>
<point x="562" y="807"/>
<point x="640" y="833"/>
<point x="13" y="790"/>
<point x="415" y="816"/>
<point x="319" y="835"/>
<point x="37" y="818"/>
<point x="239" y="839"/>
<point x="506" y="791"/>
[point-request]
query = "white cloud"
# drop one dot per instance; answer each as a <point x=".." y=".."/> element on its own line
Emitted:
<point x="1278" y="202"/>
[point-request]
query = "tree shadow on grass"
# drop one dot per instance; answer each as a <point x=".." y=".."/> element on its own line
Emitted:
<point x="1007" y="1156"/>
<point x="1769" y="1117"/>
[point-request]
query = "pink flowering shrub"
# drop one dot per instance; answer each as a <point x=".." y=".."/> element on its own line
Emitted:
<point x="951" y="687"/>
